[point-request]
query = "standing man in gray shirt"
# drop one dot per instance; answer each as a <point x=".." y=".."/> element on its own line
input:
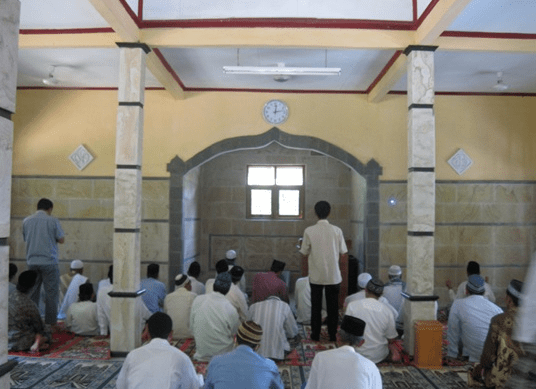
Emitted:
<point x="42" y="233"/>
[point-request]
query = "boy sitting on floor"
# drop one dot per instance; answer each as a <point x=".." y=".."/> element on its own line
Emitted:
<point x="82" y="316"/>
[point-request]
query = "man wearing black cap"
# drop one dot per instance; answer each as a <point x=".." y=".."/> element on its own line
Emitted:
<point x="243" y="367"/>
<point x="323" y="247"/>
<point x="500" y="350"/>
<point x="214" y="320"/>
<point x="178" y="306"/>
<point x="235" y="295"/>
<point x="344" y="367"/>
<point x="380" y="319"/>
<point x="270" y="284"/>
<point x="469" y="320"/>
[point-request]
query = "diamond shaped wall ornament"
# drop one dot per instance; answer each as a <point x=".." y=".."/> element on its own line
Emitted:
<point x="81" y="157"/>
<point x="460" y="162"/>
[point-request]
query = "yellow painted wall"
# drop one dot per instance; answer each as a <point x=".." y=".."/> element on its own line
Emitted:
<point x="497" y="132"/>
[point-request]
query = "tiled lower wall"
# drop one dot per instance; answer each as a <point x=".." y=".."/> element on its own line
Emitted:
<point x="493" y="223"/>
<point x="84" y="207"/>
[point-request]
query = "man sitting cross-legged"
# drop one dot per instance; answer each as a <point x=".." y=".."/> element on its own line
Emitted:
<point x="178" y="305"/>
<point x="243" y="367"/>
<point x="500" y="350"/>
<point x="469" y="320"/>
<point x="82" y="315"/>
<point x="158" y="364"/>
<point x="26" y="329"/>
<point x="380" y="331"/>
<point x="278" y="322"/>
<point x="71" y="295"/>
<point x="344" y="367"/>
<point x="270" y="284"/>
<point x="214" y="320"/>
<point x="235" y="295"/>
<point x="221" y="267"/>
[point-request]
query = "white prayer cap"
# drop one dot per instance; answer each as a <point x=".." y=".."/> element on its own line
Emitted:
<point x="181" y="279"/>
<point x="77" y="264"/>
<point x="230" y="254"/>
<point x="363" y="280"/>
<point x="395" y="270"/>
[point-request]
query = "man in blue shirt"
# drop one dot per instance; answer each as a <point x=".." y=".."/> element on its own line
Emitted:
<point x="42" y="233"/>
<point x="243" y="368"/>
<point x="155" y="290"/>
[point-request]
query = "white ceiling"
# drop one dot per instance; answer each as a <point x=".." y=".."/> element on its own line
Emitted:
<point x="200" y="68"/>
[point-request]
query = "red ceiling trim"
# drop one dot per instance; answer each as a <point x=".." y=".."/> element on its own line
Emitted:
<point x="131" y="13"/>
<point x="66" y="31"/>
<point x="384" y="70"/>
<point x="168" y="67"/>
<point x="140" y="10"/>
<point x="491" y="94"/>
<point x="281" y="23"/>
<point x="274" y="91"/>
<point x="108" y="88"/>
<point x="415" y="10"/>
<point x="426" y="12"/>
<point x="492" y="35"/>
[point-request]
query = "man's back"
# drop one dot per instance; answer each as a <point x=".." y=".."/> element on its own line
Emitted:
<point x="41" y="233"/>
<point x="213" y="322"/>
<point x="277" y="322"/>
<point x="155" y="294"/>
<point x="82" y="318"/>
<point x="380" y="327"/>
<point x="157" y="365"/>
<point x="242" y="368"/>
<point x="343" y="368"/>
<point x="266" y="285"/>
<point x="178" y="306"/>
<point x="469" y="321"/>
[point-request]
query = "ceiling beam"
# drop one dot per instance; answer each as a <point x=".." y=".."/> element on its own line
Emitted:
<point x="439" y="19"/>
<point x="122" y="23"/>
<point x="118" y="18"/>
<point x="51" y="41"/>
<point x="389" y="79"/>
<point x="486" y="44"/>
<point x="277" y="37"/>
<point x="157" y="68"/>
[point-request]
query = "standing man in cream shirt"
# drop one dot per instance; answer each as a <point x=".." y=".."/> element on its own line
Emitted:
<point x="323" y="247"/>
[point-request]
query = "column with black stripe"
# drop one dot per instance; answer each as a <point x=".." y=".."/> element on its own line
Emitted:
<point x="125" y="327"/>
<point x="421" y="188"/>
<point x="9" y="37"/>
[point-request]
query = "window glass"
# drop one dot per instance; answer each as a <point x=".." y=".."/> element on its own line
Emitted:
<point x="261" y="202"/>
<point x="291" y="175"/>
<point x="289" y="202"/>
<point x="261" y="175"/>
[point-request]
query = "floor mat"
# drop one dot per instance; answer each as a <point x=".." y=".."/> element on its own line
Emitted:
<point x="43" y="373"/>
<point x="414" y="378"/>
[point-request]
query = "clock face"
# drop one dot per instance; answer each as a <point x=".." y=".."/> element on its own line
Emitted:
<point x="275" y="112"/>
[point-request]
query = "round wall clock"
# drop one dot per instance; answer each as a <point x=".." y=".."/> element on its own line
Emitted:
<point x="275" y="112"/>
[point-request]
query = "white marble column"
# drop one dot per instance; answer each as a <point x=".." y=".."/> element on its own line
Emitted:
<point x="421" y="190"/>
<point x="9" y="40"/>
<point x="125" y="327"/>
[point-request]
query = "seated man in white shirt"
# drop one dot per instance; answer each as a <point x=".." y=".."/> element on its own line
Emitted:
<point x="380" y="331"/>
<point x="214" y="321"/>
<point x="235" y="295"/>
<point x="302" y="295"/>
<point x="71" y="296"/>
<point x="362" y="282"/>
<point x="221" y="267"/>
<point x="472" y="268"/>
<point x="344" y="367"/>
<point x="194" y="270"/>
<point x="278" y="323"/>
<point x="105" y="281"/>
<point x="178" y="305"/>
<point x="158" y="364"/>
<point x="82" y="315"/>
<point x="469" y="320"/>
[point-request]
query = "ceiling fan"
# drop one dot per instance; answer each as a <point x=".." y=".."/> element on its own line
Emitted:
<point x="500" y="86"/>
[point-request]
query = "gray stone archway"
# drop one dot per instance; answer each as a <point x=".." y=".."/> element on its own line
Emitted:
<point x="178" y="168"/>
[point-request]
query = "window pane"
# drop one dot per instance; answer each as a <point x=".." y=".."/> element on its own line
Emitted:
<point x="289" y="175"/>
<point x="261" y="202"/>
<point x="289" y="202"/>
<point x="260" y="175"/>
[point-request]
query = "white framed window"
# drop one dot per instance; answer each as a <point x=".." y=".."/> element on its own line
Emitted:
<point x="275" y="191"/>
